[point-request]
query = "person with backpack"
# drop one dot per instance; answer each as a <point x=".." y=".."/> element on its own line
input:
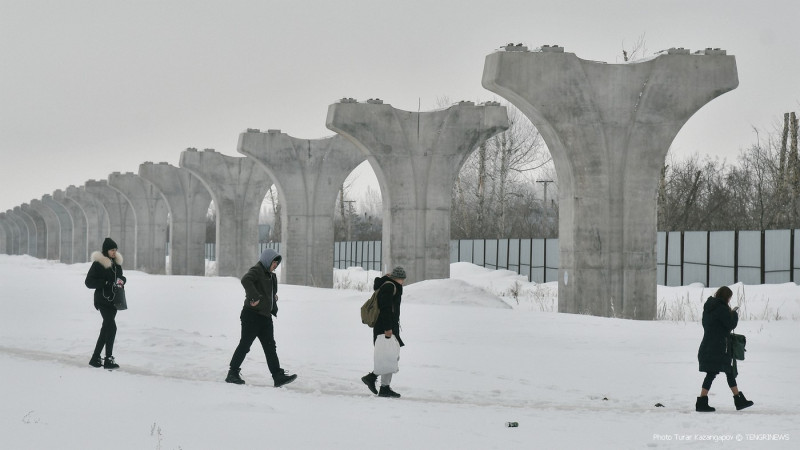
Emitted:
<point x="714" y="354"/>
<point x="104" y="276"/>
<point x="260" y="304"/>
<point x="389" y="295"/>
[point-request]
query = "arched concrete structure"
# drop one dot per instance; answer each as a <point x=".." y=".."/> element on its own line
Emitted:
<point x="6" y="236"/>
<point x="416" y="157"/>
<point x="121" y="218"/>
<point x="309" y="174"/>
<point x="608" y="128"/>
<point x="187" y="202"/>
<point x="25" y="234"/>
<point x="97" y="223"/>
<point x="52" y="230"/>
<point x="238" y="187"/>
<point x="80" y="234"/>
<point x="150" y="209"/>
<point x="36" y="224"/>
<point x="65" y="227"/>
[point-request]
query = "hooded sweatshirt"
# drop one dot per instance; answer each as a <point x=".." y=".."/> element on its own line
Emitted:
<point x="261" y="284"/>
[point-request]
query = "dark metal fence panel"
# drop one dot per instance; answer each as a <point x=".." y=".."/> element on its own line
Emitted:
<point x="749" y="257"/>
<point x="525" y="258"/>
<point x="490" y="252"/>
<point x="513" y="255"/>
<point x="777" y="256"/>
<point x="661" y="255"/>
<point x="695" y="257"/>
<point x="552" y="261"/>
<point x="538" y="265"/>
<point x="674" y="258"/>
<point x="478" y="252"/>
<point x="722" y="259"/>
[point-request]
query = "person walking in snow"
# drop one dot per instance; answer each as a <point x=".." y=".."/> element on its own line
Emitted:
<point x="104" y="276"/>
<point x="390" y="293"/>
<point x="260" y="304"/>
<point x="714" y="354"/>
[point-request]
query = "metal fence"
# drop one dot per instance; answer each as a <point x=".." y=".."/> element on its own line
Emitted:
<point x="713" y="258"/>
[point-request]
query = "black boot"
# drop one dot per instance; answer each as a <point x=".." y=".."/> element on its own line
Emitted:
<point x="370" y="379"/>
<point x="109" y="363"/>
<point x="741" y="402"/>
<point x="96" y="361"/>
<point x="283" y="378"/>
<point x="234" y="377"/>
<point x="702" y="405"/>
<point x="387" y="391"/>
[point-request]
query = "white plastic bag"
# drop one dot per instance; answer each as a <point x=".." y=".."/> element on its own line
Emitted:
<point x="387" y="355"/>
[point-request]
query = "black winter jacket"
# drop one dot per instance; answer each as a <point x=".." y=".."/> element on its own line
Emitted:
<point x="718" y="322"/>
<point x="389" y="305"/>
<point x="262" y="285"/>
<point x="101" y="277"/>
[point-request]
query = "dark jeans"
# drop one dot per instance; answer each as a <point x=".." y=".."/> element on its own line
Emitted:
<point x="107" y="332"/>
<point x="711" y="375"/>
<point x="254" y="326"/>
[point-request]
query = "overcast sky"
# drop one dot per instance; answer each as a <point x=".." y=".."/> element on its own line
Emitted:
<point x="92" y="87"/>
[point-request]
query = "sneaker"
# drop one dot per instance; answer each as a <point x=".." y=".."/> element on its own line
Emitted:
<point x="283" y="378"/>
<point x="387" y="391"/>
<point x="96" y="361"/>
<point x="370" y="379"/>
<point x="109" y="363"/>
<point x="234" y="377"/>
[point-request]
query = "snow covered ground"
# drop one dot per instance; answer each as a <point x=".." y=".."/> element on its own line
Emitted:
<point x="482" y="348"/>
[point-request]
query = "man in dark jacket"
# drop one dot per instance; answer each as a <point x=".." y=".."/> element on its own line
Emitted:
<point x="390" y="292"/>
<point x="260" y="304"/>
<point x="714" y="354"/>
<point x="105" y="277"/>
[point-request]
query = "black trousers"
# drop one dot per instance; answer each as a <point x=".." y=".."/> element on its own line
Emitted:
<point x="711" y="375"/>
<point x="108" y="332"/>
<point x="254" y="326"/>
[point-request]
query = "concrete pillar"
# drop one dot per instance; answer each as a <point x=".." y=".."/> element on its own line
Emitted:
<point x="238" y="187"/>
<point x="52" y="230"/>
<point x="150" y="209"/>
<point x="416" y="157"/>
<point x="80" y="250"/>
<point x="608" y="128"/>
<point x="65" y="227"/>
<point x="6" y="236"/>
<point x="308" y="175"/>
<point x="187" y="202"/>
<point x="97" y="223"/>
<point x="26" y="234"/>
<point x="36" y="224"/>
<point x="121" y="218"/>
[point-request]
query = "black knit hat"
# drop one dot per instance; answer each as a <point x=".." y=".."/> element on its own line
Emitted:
<point x="108" y="244"/>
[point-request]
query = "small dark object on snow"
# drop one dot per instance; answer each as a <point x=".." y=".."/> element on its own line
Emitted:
<point x="512" y="424"/>
<point x="605" y="399"/>
<point x="659" y="405"/>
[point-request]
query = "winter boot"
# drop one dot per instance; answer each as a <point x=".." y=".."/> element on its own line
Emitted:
<point x="109" y="363"/>
<point x="370" y="379"/>
<point x="96" y="361"/>
<point x="234" y="377"/>
<point x="283" y="378"/>
<point x="702" y="405"/>
<point x="387" y="391"/>
<point x="741" y="402"/>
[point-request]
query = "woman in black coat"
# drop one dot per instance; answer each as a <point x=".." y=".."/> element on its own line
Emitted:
<point x="105" y="275"/>
<point x="714" y="354"/>
<point x="390" y="293"/>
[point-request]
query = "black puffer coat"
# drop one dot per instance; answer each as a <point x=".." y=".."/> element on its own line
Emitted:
<point x="101" y="277"/>
<point x="389" y="305"/>
<point x="718" y="322"/>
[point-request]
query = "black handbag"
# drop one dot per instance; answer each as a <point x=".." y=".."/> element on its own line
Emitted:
<point x="118" y="296"/>
<point x="738" y="343"/>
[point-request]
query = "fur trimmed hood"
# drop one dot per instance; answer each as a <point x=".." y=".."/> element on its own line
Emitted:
<point x="105" y="260"/>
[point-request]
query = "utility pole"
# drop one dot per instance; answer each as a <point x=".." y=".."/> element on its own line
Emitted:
<point x="544" y="182"/>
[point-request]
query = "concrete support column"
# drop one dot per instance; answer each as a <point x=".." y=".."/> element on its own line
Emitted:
<point x="37" y="225"/>
<point x="187" y="202"/>
<point x="608" y="128"/>
<point x="6" y="236"/>
<point x="238" y="187"/>
<point x="26" y="234"/>
<point x="416" y="157"/>
<point x="80" y="250"/>
<point x="150" y="209"/>
<point x="121" y="217"/>
<point x="65" y="227"/>
<point x="308" y="174"/>
<point x="97" y="223"/>
<point x="52" y="230"/>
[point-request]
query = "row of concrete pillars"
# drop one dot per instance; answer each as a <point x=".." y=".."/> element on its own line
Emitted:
<point x="607" y="126"/>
